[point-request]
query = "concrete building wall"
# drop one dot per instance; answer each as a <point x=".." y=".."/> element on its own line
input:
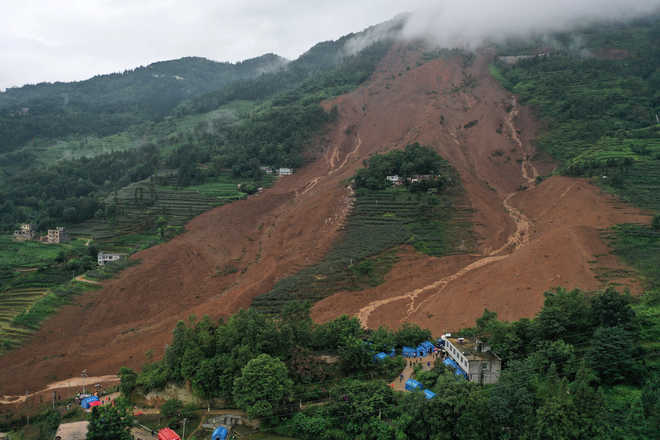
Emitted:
<point x="484" y="371"/>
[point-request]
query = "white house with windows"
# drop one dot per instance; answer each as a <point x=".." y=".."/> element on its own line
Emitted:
<point x="475" y="358"/>
<point x="394" y="180"/>
<point x="285" y="171"/>
<point x="108" y="257"/>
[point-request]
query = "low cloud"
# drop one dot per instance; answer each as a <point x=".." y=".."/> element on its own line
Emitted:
<point x="468" y="24"/>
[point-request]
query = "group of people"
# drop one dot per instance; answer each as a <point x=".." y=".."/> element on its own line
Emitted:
<point x="438" y="353"/>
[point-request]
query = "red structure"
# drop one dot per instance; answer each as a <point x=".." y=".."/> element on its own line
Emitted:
<point x="168" y="434"/>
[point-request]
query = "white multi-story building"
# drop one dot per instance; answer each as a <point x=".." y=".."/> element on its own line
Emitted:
<point x="475" y="358"/>
<point x="285" y="171"/>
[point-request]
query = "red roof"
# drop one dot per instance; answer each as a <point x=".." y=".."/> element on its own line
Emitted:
<point x="167" y="434"/>
<point x="95" y="403"/>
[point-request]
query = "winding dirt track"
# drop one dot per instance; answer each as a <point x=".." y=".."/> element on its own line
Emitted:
<point x="529" y="240"/>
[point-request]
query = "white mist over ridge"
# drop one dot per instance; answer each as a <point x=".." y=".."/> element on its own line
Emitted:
<point x="468" y="24"/>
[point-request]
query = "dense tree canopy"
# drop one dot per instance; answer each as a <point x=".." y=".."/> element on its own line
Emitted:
<point x="263" y="389"/>
<point x="413" y="160"/>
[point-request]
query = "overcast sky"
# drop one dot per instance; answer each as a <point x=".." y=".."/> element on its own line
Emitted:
<point x="51" y="40"/>
<point x="64" y="40"/>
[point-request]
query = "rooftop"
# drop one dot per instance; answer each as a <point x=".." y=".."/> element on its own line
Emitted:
<point x="470" y="349"/>
<point x="73" y="431"/>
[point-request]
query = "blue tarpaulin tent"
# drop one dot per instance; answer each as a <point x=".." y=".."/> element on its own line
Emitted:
<point x="425" y="348"/>
<point x="413" y="385"/>
<point x="220" y="433"/>
<point x="441" y="342"/>
<point x="408" y="352"/>
<point x="429" y="394"/>
<point x="87" y="400"/>
<point x="392" y="352"/>
<point x="380" y="356"/>
<point x="453" y="365"/>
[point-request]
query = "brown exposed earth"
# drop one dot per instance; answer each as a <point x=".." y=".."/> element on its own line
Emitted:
<point x="529" y="240"/>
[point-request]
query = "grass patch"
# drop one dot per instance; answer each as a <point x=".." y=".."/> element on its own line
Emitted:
<point x="496" y="73"/>
<point x="28" y="253"/>
<point x="638" y="246"/>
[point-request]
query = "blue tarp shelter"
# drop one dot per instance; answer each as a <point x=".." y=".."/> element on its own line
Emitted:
<point x="392" y="352"/>
<point x="429" y="394"/>
<point x="380" y="356"/>
<point x="408" y="352"/>
<point x="87" y="400"/>
<point x="220" y="433"/>
<point x="441" y="342"/>
<point x="454" y="366"/>
<point x="413" y="385"/>
<point x="425" y="348"/>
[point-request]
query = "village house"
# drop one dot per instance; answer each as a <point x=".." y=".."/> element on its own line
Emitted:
<point x="57" y="235"/>
<point x="285" y="171"/>
<point x="108" y="257"/>
<point x="25" y="233"/>
<point x="394" y="180"/>
<point x="475" y="358"/>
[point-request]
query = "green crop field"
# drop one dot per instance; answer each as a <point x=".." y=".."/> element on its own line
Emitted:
<point x="26" y="254"/>
<point x="22" y="289"/>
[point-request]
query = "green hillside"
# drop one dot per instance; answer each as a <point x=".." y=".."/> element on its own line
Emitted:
<point x="108" y="104"/>
<point x="601" y="112"/>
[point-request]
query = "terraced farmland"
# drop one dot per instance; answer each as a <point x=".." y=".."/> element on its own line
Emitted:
<point x="13" y="303"/>
<point x="27" y="271"/>
<point x="640" y="185"/>
<point x="138" y="207"/>
<point x="379" y="222"/>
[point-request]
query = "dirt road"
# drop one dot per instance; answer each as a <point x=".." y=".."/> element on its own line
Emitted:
<point x="82" y="279"/>
<point x="72" y="382"/>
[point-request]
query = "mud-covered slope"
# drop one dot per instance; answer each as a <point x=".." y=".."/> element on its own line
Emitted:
<point x="293" y="224"/>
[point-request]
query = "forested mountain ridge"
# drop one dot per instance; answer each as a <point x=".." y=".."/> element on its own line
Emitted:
<point x="320" y="60"/>
<point x="107" y="104"/>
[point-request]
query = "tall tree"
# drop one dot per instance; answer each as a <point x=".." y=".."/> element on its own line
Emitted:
<point x="109" y="423"/>
<point x="264" y="388"/>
